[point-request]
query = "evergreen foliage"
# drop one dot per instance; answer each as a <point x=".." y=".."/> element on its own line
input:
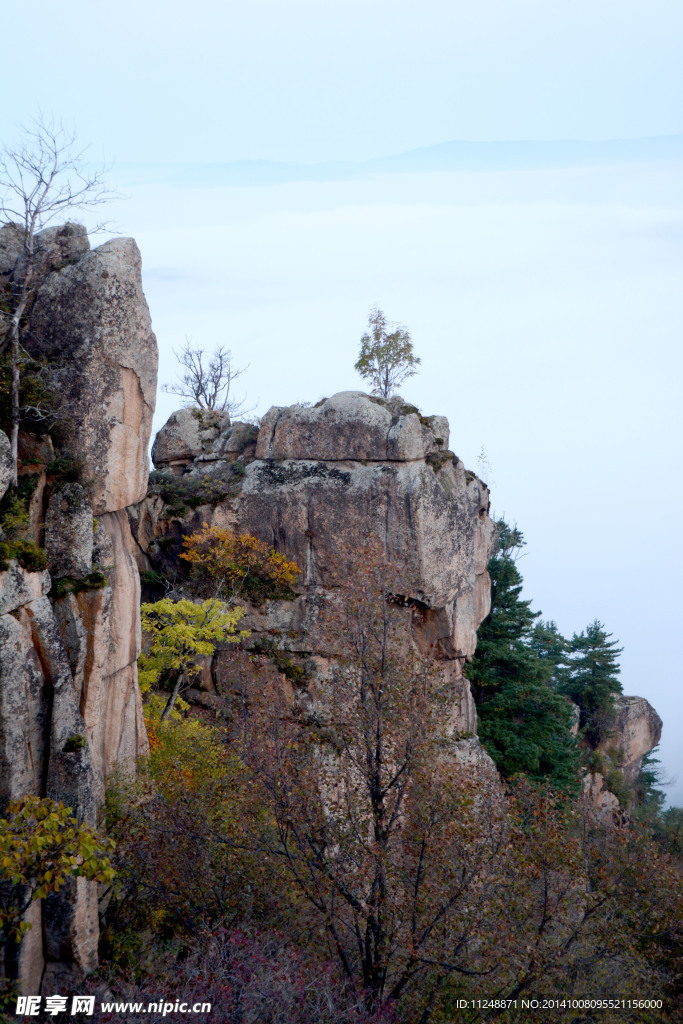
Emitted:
<point x="650" y="799"/>
<point x="591" y="679"/>
<point x="524" y="723"/>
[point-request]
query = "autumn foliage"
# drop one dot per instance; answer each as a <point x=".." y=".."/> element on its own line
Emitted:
<point x="41" y="845"/>
<point x="405" y="876"/>
<point x="233" y="565"/>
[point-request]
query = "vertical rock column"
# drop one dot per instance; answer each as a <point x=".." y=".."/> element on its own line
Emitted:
<point x="68" y="665"/>
<point x="91" y="321"/>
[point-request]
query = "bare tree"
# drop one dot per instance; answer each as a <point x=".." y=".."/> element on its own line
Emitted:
<point x="208" y="380"/>
<point x="375" y="825"/>
<point x="40" y="180"/>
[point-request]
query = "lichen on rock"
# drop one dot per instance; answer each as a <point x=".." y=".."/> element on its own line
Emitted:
<point x="69" y="531"/>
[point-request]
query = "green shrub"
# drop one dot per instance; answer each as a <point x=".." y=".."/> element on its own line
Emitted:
<point x="95" y="580"/>
<point x="181" y="493"/>
<point x="64" y="468"/>
<point x="280" y="659"/>
<point x="437" y="460"/>
<point x="29" y="555"/>
<point x="596" y="762"/>
<point x="74" y="744"/>
<point x="152" y="578"/>
<point x="614" y="780"/>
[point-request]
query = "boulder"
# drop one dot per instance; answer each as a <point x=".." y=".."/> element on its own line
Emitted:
<point x="5" y="463"/>
<point x="69" y="532"/>
<point x="187" y="434"/>
<point x="54" y="247"/>
<point x="351" y="425"/>
<point x="91" y="321"/>
<point x="61" y="244"/>
<point x="19" y="587"/>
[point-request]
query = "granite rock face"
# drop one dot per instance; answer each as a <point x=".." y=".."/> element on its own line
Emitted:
<point x="91" y="321"/>
<point x="635" y="731"/>
<point x="39" y="714"/>
<point x="69" y="531"/>
<point x="322" y="480"/>
<point x="68" y="652"/>
<point x="11" y="248"/>
<point x="599" y="797"/>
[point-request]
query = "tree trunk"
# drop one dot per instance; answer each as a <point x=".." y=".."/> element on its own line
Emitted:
<point x="172" y="699"/>
<point x="15" y="357"/>
<point x="15" y="415"/>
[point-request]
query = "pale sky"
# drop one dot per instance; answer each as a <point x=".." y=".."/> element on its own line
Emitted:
<point x="545" y="301"/>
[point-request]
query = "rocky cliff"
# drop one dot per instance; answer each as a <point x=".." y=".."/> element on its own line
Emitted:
<point x="70" y="635"/>
<point x="312" y="482"/>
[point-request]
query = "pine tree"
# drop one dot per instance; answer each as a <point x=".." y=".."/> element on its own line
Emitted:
<point x="550" y="647"/>
<point x="523" y="722"/>
<point x="591" y="680"/>
<point x="650" y="799"/>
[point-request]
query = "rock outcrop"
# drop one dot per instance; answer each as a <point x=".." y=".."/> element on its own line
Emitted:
<point x="635" y="731"/>
<point x="90" y="320"/>
<point x="317" y="481"/>
<point x="69" y="531"/>
<point x="70" y="636"/>
<point x="186" y="435"/>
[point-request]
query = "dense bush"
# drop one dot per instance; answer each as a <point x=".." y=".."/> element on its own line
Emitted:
<point x="185" y="492"/>
<point x="249" y="976"/>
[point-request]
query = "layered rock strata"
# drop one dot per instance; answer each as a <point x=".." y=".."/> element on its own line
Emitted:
<point x="70" y="636"/>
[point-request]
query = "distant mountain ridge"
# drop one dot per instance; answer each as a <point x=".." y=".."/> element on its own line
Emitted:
<point x="446" y="156"/>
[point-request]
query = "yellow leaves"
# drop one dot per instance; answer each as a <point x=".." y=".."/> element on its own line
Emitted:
<point x="182" y="631"/>
<point x="239" y="561"/>
<point x="41" y="845"/>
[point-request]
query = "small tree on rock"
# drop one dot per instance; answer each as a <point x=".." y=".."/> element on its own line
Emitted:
<point x="41" y="845"/>
<point x="180" y="632"/>
<point x="386" y="359"/>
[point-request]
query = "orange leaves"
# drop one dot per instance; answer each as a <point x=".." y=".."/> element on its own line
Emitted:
<point x="238" y="563"/>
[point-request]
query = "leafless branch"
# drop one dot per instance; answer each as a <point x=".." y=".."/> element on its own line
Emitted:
<point x="43" y="178"/>
<point x="208" y="380"/>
